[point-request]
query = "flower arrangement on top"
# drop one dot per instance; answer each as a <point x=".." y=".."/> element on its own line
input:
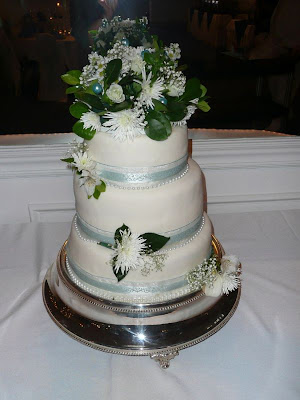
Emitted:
<point x="132" y="85"/>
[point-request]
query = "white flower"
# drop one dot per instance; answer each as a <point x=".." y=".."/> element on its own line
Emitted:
<point x="129" y="252"/>
<point x="230" y="263"/>
<point x="91" y="120"/>
<point x="115" y="93"/>
<point x="150" y="90"/>
<point x="230" y="282"/>
<point x="214" y="289"/>
<point x="173" y="51"/>
<point x="89" y="181"/>
<point x="174" y="90"/>
<point x="124" y="125"/>
<point x="82" y="161"/>
<point x="137" y="64"/>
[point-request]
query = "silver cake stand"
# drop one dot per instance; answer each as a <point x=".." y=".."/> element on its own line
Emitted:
<point x="156" y="330"/>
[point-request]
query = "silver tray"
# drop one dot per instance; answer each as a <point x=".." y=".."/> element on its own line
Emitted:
<point x="161" y="340"/>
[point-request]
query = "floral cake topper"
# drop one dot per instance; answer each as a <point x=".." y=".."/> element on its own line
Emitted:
<point x="132" y="85"/>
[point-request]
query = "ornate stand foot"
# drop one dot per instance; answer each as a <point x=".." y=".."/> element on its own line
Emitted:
<point x="164" y="358"/>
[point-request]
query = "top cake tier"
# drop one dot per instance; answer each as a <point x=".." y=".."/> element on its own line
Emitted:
<point x="141" y="152"/>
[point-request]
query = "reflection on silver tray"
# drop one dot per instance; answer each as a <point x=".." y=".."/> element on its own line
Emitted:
<point x="160" y="340"/>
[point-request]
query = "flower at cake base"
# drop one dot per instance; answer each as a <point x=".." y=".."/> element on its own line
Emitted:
<point x="129" y="251"/>
<point x="230" y="282"/>
<point x="150" y="90"/>
<point x="216" y="277"/>
<point x="91" y="120"/>
<point x="124" y="125"/>
<point x="115" y="93"/>
<point x="215" y="289"/>
<point x="230" y="263"/>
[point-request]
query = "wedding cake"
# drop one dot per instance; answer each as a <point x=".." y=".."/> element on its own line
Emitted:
<point x="140" y="236"/>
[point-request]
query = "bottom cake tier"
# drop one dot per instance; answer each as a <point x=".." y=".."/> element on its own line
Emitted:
<point x="159" y="329"/>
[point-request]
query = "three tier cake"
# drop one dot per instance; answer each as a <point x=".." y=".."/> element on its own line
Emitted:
<point x="140" y="256"/>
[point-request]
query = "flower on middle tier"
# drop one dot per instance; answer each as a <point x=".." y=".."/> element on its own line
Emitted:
<point x="88" y="171"/>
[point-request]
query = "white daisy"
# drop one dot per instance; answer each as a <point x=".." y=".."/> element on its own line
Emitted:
<point x="150" y="90"/>
<point x="129" y="252"/>
<point x="124" y="125"/>
<point x="230" y="282"/>
<point x="82" y="161"/>
<point x="91" y="120"/>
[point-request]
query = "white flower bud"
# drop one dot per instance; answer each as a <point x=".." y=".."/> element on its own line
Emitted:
<point x="115" y="93"/>
<point x="216" y="289"/>
<point x="137" y="64"/>
<point x="229" y="263"/>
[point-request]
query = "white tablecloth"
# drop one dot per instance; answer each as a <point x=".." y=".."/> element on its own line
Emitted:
<point x="255" y="356"/>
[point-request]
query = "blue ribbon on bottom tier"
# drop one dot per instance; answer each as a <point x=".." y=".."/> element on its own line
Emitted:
<point x="177" y="235"/>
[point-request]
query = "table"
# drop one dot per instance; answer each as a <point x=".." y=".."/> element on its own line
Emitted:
<point x="255" y="356"/>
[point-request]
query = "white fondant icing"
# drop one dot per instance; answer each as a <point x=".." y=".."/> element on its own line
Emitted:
<point x="95" y="259"/>
<point x="141" y="152"/>
<point x="158" y="210"/>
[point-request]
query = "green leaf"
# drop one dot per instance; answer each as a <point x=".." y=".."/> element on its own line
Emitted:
<point x="203" y="89"/>
<point x="158" y="127"/>
<point x="71" y="77"/>
<point x="73" y="89"/>
<point x="118" y="237"/>
<point x="87" y="134"/>
<point x="155" y="42"/>
<point x="159" y="106"/>
<point x="121" y="106"/>
<point x="112" y="71"/>
<point x="203" y="106"/>
<point x="176" y="111"/>
<point x="77" y="109"/>
<point x="99" y="189"/>
<point x="67" y="160"/>
<point x="119" y="275"/>
<point x="127" y="79"/>
<point x="137" y="88"/>
<point x="93" y="32"/>
<point x="182" y="67"/>
<point x="150" y="58"/>
<point x="154" y="241"/>
<point x="93" y="101"/>
<point x="104" y="244"/>
<point x="192" y="90"/>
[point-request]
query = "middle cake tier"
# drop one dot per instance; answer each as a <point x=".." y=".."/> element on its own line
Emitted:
<point x="159" y="209"/>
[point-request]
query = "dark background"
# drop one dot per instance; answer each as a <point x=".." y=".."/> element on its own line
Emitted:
<point x="249" y="88"/>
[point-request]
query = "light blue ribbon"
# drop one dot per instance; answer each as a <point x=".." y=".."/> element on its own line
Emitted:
<point x="122" y="287"/>
<point x="142" y="175"/>
<point x="175" y="236"/>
